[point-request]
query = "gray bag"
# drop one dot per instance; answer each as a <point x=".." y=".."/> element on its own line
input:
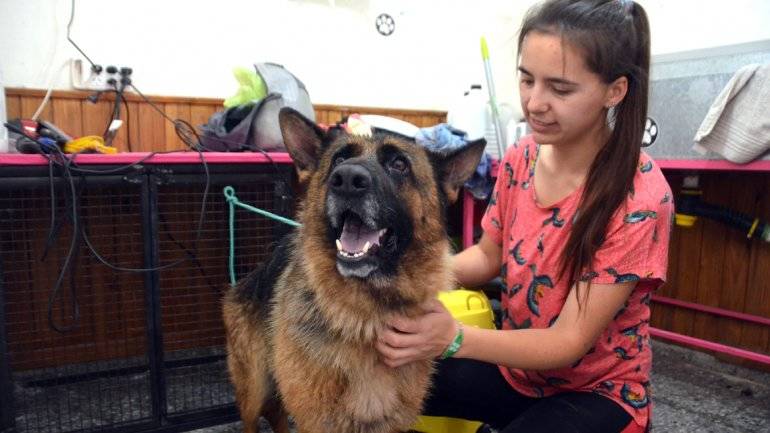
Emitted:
<point x="254" y="127"/>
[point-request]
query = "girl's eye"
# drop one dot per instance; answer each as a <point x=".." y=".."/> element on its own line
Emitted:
<point x="526" y="81"/>
<point x="561" y="92"/>
<point x="399" y="165"/>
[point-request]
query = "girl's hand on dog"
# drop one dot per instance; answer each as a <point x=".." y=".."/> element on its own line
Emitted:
<point x="405" y="339"/>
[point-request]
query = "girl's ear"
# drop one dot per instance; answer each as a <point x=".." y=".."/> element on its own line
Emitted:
<point x="616" y="92"/>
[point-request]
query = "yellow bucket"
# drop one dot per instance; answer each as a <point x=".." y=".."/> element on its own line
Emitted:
<point x="471" y="308"/>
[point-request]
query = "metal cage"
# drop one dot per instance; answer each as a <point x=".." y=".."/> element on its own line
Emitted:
<point x="96" y="348"/>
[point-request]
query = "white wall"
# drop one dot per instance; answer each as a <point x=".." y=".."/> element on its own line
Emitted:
<point x="683" y="25"/>
<point x="189" y="48"/>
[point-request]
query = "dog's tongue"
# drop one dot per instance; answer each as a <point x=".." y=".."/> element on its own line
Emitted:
<point x="355" y="235"/>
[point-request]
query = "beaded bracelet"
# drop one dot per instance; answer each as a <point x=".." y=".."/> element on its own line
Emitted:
<point x="454" y="346"/>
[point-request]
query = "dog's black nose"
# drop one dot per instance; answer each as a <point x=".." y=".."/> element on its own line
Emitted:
<point x="350" y="179"/>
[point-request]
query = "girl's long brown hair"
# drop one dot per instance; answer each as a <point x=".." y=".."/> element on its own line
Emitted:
<point x="614" y="37"/>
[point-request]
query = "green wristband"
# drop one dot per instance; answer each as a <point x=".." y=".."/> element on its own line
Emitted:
<point x="454" y="346"/>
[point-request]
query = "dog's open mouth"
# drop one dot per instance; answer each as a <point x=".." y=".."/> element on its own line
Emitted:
<point x="357" y="240"/>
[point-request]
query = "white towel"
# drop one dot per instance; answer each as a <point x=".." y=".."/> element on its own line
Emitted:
<point x="737" y="126"/>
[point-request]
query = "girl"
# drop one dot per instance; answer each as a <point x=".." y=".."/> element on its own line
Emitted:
<point x="578" y="229"/>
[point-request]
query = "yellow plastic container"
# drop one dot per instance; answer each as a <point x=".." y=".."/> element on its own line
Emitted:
<point x="471" y="308"/>
<point x="435" y="424"/>
<point x="684" y="220"/>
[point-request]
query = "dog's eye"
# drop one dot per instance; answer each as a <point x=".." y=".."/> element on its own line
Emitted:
<point x="399" y="165"/>
<point x="339" y="160"/>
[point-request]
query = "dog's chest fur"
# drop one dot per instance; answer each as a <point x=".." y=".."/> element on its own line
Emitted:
<point x="368" y="392"/>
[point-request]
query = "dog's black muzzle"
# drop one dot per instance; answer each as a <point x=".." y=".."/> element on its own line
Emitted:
<point x="359" y="222"/>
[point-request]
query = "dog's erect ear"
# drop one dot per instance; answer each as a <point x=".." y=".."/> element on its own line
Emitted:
<point x="303" y="140"/>
<point x="458" y="166"/>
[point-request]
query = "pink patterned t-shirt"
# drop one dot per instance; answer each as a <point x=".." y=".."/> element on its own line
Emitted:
<point x="635" y="249"/>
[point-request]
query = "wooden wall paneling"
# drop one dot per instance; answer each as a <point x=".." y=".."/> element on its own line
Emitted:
<point x="333" y="116"/>
<point x="129" y="291"/>
<point x="432" y="120"/>
<point x="121" y="138"/>
<point x="131" y="128"/>
<point x="26" y="300"/>
<point x="109" y="311"/>
<point x="321" y="117"/>
<point x="95" y="117"/>
<point x="179" y="291"/>
<point x="711" y="260"/>
<point x="151" y="129"/>
<point x="45" y="274"/>
<point x="661" y="315"/>
<point x="200" y="114"/>
<point x="688" y="256"/>
<point x="415" y="119"/>
<point x="175" y="111"/>
<point x="12" y="107"/>
<point x="135" y="133"/>
<point x="735" y="275"/>
<point x="762" y="264"/>
<point x="189" y="317"/>
<point x="757" y="337"/>
<point x="30" y="104"/>
<point x="68" y="116"/>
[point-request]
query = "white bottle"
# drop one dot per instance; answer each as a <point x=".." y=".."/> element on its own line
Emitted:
<point x="470" y="114"/>
<point x="3" y="119"/>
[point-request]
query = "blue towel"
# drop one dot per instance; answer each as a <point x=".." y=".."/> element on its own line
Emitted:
<point x="443" y="138"/>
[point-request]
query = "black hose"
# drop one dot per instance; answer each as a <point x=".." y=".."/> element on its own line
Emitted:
<point x="690" y="204"/>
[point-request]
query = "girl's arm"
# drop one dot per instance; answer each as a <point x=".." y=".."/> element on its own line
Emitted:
<point x="566" y="341"/>
<point x="570" y="337"/>
<point x="477" y="264"/>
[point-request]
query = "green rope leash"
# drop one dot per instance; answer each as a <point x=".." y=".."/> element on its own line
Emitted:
<point x="233" y="201"/>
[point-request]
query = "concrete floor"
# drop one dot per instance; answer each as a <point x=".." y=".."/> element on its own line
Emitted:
<point x="693" y="392"/>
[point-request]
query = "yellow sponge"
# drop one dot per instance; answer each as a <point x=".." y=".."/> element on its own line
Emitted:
<point x="93" y="143"/>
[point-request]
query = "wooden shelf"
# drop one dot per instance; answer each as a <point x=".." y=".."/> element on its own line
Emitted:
<point x="712" y="164"/>
<point x="160" y="158"/>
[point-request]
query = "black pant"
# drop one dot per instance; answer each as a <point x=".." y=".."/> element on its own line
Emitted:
<point x="476" y="390"/>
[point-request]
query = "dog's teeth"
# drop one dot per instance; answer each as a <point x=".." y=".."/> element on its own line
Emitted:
<point x="339" y="245"/>
<point x="367" y="245"/>
<point x="382" y="232"/>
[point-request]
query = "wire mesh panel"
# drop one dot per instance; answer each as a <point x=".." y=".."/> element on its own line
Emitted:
<point x="193" y="333"/>
<point x="75" y="339"/>
<point x="89" y="341"/>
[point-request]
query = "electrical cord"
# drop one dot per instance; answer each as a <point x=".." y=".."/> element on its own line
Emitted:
<point x="48" y="92"/>
<point x="69" y="28"/>
<point x="66" y="266"/>
<point x="69" y="165"/>
<point x="115" y="112"/>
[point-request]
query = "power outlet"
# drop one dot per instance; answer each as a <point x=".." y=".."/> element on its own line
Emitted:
<point x="84" y="77"/>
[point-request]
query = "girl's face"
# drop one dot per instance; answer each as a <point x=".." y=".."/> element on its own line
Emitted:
<point x="563" y="101"/>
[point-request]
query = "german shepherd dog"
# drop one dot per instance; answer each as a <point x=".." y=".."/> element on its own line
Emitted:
<point x="373" y="242"/>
